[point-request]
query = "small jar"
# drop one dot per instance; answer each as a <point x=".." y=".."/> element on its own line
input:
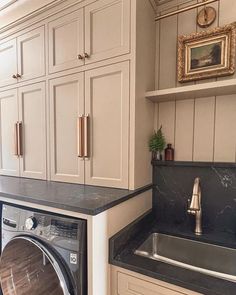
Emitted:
<point x="169" y="153"/>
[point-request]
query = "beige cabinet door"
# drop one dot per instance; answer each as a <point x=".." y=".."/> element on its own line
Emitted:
<point x="9" y="161"/>
<point x="32" y="115"/>
<point x="31" y="54"/>
<point x="107" y="29"/>
<point x="66" y="42"/>
<point x="107" y="103"/>
<point x="128" y="285"/>
<point x="8" y="63"/>
<point x="66" y="105"/>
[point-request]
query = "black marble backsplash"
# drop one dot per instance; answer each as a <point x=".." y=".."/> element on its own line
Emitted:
<point x="173" y="185"/>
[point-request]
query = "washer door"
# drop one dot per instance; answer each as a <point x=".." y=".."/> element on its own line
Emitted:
<point x="27" y="267"/>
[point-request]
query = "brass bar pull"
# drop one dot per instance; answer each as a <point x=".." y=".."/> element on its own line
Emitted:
<point x="86" y="136"/>
<point x="19" y="136"/>
<point x="16" y="139"/>
<point x="80" y="137"/>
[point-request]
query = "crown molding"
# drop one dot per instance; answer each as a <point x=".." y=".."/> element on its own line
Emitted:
<point x="6" y="3"/>
<point x="31" y="15"/>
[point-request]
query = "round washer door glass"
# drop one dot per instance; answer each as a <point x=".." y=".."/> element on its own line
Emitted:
<point x="28" y="268"/>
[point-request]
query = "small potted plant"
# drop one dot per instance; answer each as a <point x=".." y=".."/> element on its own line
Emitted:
<point x="157" y="144"/>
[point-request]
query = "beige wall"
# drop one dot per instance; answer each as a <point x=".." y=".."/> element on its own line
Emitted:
<point x="201" y="129"/>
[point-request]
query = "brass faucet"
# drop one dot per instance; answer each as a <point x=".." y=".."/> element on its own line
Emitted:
<point x="194" y="206"/>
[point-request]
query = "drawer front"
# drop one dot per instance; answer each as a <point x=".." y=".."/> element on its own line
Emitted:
<point x="128" y="285"/>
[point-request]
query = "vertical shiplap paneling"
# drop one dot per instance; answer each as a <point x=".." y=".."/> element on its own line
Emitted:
<point x="157" y="67"/>
<point x="225" y="139"/>
<point x="197" y="132"/>
<point x="204" y="129"/>
<point x="168" y="56"/>
<point x="199" y="29"/>
<point x="156" y="115"/>
<point x="184" y="130"/>
<point x="187" y="25"/>
<point x="166" y="119"/>
<point x="227" y="12"/>
<point x="227" y="9"/>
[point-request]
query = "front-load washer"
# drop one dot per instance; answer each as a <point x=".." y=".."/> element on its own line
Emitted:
<point x="42" y="253"/>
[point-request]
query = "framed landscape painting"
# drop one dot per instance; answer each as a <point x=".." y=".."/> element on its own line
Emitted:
<point x="207" y="54"/>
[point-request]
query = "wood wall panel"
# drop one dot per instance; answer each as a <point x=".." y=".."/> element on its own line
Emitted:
<point x="189" y="18"/>
<point x="166" y="119"/>
<point x="227" y="12"/>
<point x="184" y="130"/>
<point x="225" y="139"/>
<point x="204" y="129"/>
<point x="168" y="56"/>
<point x="227" y="16"/>
<point x="200" y="129"/>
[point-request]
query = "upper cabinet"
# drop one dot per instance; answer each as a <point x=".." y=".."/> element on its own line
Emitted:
<point x="9" y="68"/>
<point x="107" y="29"/>
<point x="106" y="24"/>
<point x="25" y="57"/>
<point x="66" y="42"/>
<point x="31" y="55"/>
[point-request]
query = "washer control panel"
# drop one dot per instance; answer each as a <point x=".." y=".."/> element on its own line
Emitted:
<point x="63" y="229"/>
<point x="46" y="226"/>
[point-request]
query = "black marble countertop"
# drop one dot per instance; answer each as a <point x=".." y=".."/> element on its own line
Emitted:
<point x="124" y="243"/>
<point x="84" y="199"/>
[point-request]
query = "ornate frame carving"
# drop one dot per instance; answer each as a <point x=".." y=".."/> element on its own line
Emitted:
<point x="225" y="34"/>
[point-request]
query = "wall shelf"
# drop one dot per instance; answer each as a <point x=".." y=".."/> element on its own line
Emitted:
<point x="218" y="88"/>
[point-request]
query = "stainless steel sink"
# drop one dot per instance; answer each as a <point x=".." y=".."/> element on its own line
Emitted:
<point x="206" y="258"/>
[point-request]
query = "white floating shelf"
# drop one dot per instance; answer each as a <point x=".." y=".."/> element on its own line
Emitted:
<point x="224" y="87"/>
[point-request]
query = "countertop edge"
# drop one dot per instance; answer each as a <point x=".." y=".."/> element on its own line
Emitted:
<point x="92" y="212"/>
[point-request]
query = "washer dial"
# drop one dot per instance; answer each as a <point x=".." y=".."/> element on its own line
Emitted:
<point x="31" y="223"/>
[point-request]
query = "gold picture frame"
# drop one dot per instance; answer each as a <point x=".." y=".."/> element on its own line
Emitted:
<point x="207" y="54"/>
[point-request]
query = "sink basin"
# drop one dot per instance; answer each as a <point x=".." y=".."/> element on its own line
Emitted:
<point x="206" y="258"/>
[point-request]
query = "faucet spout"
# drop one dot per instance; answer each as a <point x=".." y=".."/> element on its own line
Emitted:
<point x="195" y="206"/>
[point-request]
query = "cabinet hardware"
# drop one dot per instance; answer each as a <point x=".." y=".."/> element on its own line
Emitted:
<point x="18" y="76"/>
<point x="80" y="136"/>
<point x="79" y="56"/>
<point x="19" y="136"/>
<point x="14" y="76"/>
<point x="16" y="139"/>
<point x="86" y="136"/>
<point x="86" y="55"/>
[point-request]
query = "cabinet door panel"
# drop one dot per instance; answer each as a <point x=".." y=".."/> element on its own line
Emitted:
<point x="9" y="117"/>
<point x="8" y="63"/>
<point x="107" y="103"/>
<point x="66" y="42"/>
<point x="33" y="117"/>
<point x="66" y="105"/>
<point x="107" y="26"/>
<point x="128" y="285"/>
<point x="31" y="54"/>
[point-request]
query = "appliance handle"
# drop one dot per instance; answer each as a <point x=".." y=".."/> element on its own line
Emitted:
<point x="19" y="137"/>
<point x="80" y="136"/>
<point x="86" y="136"/>
<point x="47" y="256"/>
<point x="16" y="152"/>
